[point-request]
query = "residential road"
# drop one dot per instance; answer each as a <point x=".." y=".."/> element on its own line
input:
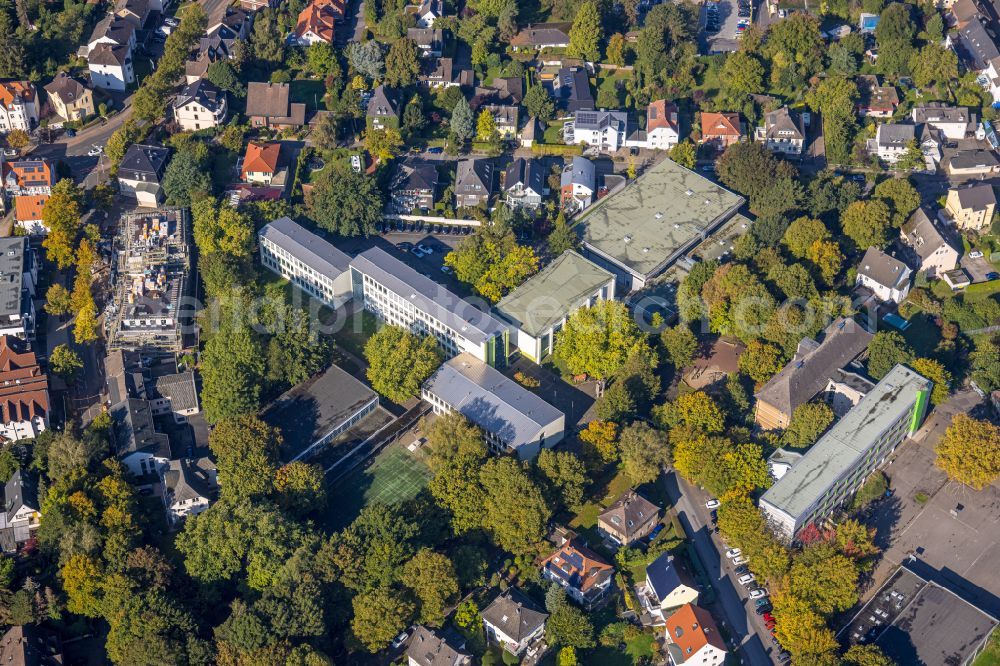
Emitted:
<point x="742" y="624"/>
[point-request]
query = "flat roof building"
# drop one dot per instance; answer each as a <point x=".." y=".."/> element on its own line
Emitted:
<point x="399" y="295"/>
<point x="309" y="262"/>
<point x="838" y="464"/>
<point x="918" y="621"/>
<point x="319" y="410"/>
<point x="640" y="231"/>
<point x="538" y="309"/>
<point x="513" y="418"/>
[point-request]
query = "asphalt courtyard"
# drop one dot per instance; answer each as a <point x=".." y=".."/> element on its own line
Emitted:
<point x="950" y="527"/>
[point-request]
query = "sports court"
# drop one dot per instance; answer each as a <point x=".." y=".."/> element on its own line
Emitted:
<point x="395" y="475"/>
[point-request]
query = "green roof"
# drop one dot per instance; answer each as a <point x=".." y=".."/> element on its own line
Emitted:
<point x="657" y="218"/>
<point x="839" y="451"/>
<point x="558" y="289"/>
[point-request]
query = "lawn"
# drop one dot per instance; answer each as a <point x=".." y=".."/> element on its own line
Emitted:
<point x="394" y="476"/>
<point x="981" y="290"/>
<point x="553" y="134"/>
<point x="990" y="656"/>
<point x="355" y="332"/>
<point x="308" y="91"/>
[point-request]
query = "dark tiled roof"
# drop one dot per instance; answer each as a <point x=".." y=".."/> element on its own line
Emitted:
<point x="514" y="614"/>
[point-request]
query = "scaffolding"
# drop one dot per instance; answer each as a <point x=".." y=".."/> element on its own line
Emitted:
<point x="149" y="281"/>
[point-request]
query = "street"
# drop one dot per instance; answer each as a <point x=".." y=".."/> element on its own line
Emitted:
<point x="73" y="150"/>
<point x="731" y="608"/>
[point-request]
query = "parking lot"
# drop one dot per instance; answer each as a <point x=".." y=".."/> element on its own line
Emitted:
<point x="978" y="268"/>
<point x="722" y="21"/>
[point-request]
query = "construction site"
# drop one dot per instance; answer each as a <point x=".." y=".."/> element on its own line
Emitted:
<point x="149" y="280"/>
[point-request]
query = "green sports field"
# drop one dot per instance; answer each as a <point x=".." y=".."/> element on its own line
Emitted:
<point x="395" y="475"/>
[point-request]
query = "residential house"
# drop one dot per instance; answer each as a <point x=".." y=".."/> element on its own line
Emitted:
<point x="515" y="623"/>
<point x="234" y="25"/>
<point x="317" y="22"/>
<point x="581" y="572"/>
<point x="828" y="475"/>
<point x="429" y="648"/>
<point x="113" y="31"/>
<point x="428" y="12"/>
<point x="110" y="66"/>
<point x="542" y="36"/>
<point x="572" y="89"/>
<point x="143" y="450"/>
<point x="18" y="106"/>
<point x="720" y="130"/>
<point x="191" y="486"/>
<point x="891" y="141"/>
<point x="175" y="394"/>
<point x="268" y="105"/>
<point x="308" y="261"/>
<point x="200" y="105"/>
<point x="693" y="638"/>
<point x="24" y="392"/>
<point x="666" y="587"/>
<point x="604" y="130"/>
<point x="973" y="163"/>
<point x="663" y="125"/>
<point x="28" y="177"/>
<point x="524" y="183"/>
<point x="21" y="513"/>
<point x="70" y="99"/>
<point x="141" y="172"/>
<point x="18" y="282"/>
<point x="414" y="184"/>
<point x="783" y="132"/>
<point x="196" y="68"/>
<point x="539" y="308"/>
<point x="812" y="366"/>
<point x="257" y="5"/>
<point x="953" y="121"/>
<point x="971" y="208"/>
<point x="441" y="73"/>
<point x="509" y="89"/>
<point x="630" y="518"/>
<point x="28" y="213"/>
<point x="505" y="119"/>
<point x="383" y="109"/>
<point x="930" y="140"/>
<point x="886" y="277"/>
<point x="473" y="183"/>
<point x="929" y="251"/>
<point x="578" y="184"/>
<point x="399" y="295"/>
<point x="876" y="100"/>
<point x="512" y="418"/>
<point x="136" y="12"/>
<point x="429" y="41"/>
<point x="260" y="163"/>
<point x="30" y="645"/>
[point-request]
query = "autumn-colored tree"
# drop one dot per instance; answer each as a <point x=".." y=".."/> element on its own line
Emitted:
<point x="969" y="451"/>
<point x="58" y="300"/>
<point x="760" y="361"/>
<point x="602" y="437"/>
<point x="937" y="373"/>
<point x="827" y="257"/>
<point x="800" y="629"/>
<point x="82" y="576"/>
<point x="61" y="216"/>
<point x="694" y="410"/>
<point x="431" y="576"/>
<point x="301" y="487"/>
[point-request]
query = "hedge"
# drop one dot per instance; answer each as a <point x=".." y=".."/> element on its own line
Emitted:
<point x="555" y="149"/>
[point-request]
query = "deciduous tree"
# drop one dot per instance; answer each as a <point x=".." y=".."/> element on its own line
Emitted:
<point x="680" y="343"/>
<point x="602" y="436"/>
<point x="399" y="362"/>
<point x="598" y="341"/>
<point x="65" y="362"/>
<point x="867" y="223"/>
<point x="347" y="203"/>
<point x="431" y="576"/>
<point x="379" y="615"/>
<point x="886" y="349"/>
<point x="808" y="422"/>
<point x="538" y="103"/>
<point x="644" y="452"/>
<point x="516" y="513"/>
<point x="969" y="451"/>
<point x="824" y="579"/>
<point x="937" y="373"/>
<point x="760" y="361"/>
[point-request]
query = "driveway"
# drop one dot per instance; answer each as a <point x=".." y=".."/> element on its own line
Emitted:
<point x="730" y="608"/>
<point x="977" y="268"/>
<point x="86" y="170"/>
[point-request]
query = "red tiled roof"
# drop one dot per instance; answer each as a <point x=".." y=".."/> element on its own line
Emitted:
<point x="11" y="89"/>
<point x="319" y="17"/>
<point x="29" y="208"/>
<point x="40" y="173"/>
<point x="261" y="158"/>
<point x="582" y="566"/>
<point x="720" y="124"/>
<point x="661" y="113"/>
<point x="23" y="387"/>
<point x="691" y="628"/>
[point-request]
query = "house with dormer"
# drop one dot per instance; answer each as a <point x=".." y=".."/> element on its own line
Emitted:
<point x="630" y="518"/>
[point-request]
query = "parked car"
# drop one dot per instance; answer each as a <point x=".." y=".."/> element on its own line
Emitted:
<point x="399" y="640"/>
<point x="71" y="132"/>
<point x="768" y="617"/>
<point x="446" y="269"/>
<point x="976" y="254"/>
<point x="746" y="579"/>
<point x="733" y="552"/>
<point x="760" y="610"/>
<point x="992" y="275"/>
<point x="783" y="657"/>
<point x="758" y="593"/>
<point x="742" y="569"/>
<point x="770" y="625"/>
<point x="712" y="504"/>
<point x="94" y="152"/>
<point x="740" y="560"/>
<point x="437" y="150"/>
<point x="761" y="602"/>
